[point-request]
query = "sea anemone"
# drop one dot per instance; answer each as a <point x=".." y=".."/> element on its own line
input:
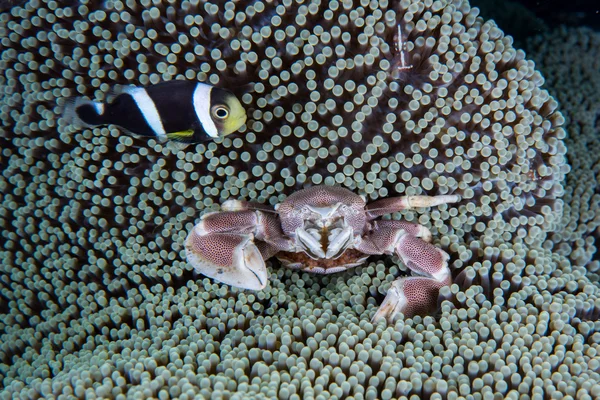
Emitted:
<point x="96" y="298"/>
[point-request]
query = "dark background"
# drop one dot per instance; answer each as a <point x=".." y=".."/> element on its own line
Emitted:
<point x="570" y="12"/>
<point x="524" y="18"/>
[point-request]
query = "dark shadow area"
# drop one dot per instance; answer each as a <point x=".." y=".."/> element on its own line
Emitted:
<point x="524" y="18"/>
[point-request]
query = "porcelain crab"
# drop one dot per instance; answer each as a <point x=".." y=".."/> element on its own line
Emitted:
<point x="322" y="229"/>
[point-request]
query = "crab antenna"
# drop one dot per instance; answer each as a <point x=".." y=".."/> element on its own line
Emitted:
<point x="400" y="47"/>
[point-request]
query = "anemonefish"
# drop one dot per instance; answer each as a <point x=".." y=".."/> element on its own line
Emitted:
<point x="184" y="111"/>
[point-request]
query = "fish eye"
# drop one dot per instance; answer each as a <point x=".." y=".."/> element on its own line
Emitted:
<point x="221" y="112"/>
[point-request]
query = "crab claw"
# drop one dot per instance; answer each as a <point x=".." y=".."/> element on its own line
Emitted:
<point x="229" y="258"/>
<point x="394" y="303"/>
<point x="409" y="296"/>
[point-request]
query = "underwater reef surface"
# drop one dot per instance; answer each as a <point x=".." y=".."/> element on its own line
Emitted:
<point x="569" y="59"/>
<point x="96" y="299"/>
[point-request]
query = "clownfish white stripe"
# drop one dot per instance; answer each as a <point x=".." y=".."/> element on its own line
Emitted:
<point x="201" y="101"/>
<point x="148" y="109"/>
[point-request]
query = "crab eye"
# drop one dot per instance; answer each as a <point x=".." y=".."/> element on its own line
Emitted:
<point x="220" y="112"/>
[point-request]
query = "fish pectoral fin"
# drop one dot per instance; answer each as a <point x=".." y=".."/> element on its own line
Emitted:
<point x="181" y="135"/>
<point x="177" y="146"/>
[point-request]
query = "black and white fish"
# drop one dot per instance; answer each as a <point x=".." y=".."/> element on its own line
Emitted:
<point x="184" y="111"/>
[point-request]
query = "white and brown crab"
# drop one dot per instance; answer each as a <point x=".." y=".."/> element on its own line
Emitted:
<point x="322" y="229"/>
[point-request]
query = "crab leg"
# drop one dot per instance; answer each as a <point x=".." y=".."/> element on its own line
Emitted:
<point x="415" y="294"/>
<point x="393" y="204"/>
<point x="221" y="246"/>
<point x="416" y="230"/>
